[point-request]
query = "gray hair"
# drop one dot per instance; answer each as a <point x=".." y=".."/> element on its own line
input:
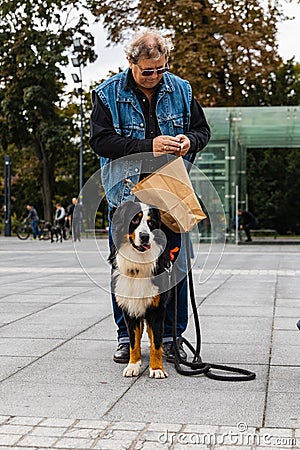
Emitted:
<point x="150" y="44"/>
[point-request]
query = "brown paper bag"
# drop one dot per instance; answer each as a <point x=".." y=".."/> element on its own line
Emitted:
<point x="170" y="189"/>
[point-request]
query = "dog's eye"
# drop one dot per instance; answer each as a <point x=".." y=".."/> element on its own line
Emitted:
<point x="135" y="221"/>
<point x="150" y="223"/>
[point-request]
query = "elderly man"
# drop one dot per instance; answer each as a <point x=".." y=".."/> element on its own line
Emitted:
<point x="145" y="110"/>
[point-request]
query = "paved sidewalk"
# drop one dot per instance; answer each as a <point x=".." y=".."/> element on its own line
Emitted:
<point x="60" y="389"/>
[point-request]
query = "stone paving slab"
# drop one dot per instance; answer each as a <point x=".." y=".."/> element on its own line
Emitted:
<point x="236" y="354"/>
<point x="285" y="379"/>
<point x="64" y="391"/>
<point x="32" y="297"/>
<point x="10" y="365"/>
<point x="238" y="311"/>
<point x="42" y="433"/>
<point x="288" y="337"/>
<point x="286" y="356"/>
<point x="282" y="410"/>
<point x="229" y="329"/>
<point x="11" y="312"/>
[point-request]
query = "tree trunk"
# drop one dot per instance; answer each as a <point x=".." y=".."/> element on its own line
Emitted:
<point x="47" y="178"/>
<point x="47" y="189"/>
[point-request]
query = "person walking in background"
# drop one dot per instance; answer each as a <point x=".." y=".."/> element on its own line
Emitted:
<point x="146" y="110"/>
<point x="247" y="221"/>
<point x="33" y="218"/>
<point x="60" y="214"/>
<point x="73" y="216"/>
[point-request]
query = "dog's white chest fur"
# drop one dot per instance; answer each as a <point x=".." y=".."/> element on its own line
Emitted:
<point x="134" y="288"/>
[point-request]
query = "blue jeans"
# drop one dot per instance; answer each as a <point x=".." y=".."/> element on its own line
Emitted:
<point x="35" y="229"/>
<point x="174" y="240"/>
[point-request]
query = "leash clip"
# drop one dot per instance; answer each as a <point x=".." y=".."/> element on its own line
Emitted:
<point x="169" y="268"/>
<point x="129" y="183"/>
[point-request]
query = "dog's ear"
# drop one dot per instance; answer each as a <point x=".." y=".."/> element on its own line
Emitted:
<point x="124" y="214"/>
<point x="155" y="213"/>
<point x="112" y="257"/>
<point x="121" y="221"/>
<point x="119" y="224"/>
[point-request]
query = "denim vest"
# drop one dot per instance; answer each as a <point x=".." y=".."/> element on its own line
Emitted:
<point x="173" y="115"/>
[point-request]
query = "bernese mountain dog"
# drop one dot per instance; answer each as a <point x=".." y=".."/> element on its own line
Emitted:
<point x="140" y="281"/>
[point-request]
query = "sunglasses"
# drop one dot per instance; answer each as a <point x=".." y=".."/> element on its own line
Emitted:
<point x="150" y="72"/>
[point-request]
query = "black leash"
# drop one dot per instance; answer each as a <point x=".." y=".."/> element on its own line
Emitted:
<point x="197" y="366"/>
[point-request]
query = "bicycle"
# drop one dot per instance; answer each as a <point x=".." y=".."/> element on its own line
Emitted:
<point x="25" y="230"/>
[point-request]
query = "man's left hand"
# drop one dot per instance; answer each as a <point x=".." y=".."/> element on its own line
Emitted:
<point x="184" y="144"/>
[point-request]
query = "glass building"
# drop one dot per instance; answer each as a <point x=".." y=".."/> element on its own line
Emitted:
<point x="234" y="131"/>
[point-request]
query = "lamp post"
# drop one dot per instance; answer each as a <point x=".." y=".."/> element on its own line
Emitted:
<point x="7" y="188"/>
<point x="76" y="61"/>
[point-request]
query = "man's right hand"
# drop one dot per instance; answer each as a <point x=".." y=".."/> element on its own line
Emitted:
<point x="166" y="144"/>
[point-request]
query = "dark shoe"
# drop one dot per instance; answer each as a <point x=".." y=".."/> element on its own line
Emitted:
<point x="298" y="324"/>
<point x="169" y="352"/>
<point x="248" y="240"/>
<point x="122" y="354"/>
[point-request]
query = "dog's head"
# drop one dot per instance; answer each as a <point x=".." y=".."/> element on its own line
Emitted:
<point x="134" y="223"/>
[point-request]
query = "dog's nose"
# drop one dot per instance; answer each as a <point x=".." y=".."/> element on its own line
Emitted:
<point x="144" y="237"/>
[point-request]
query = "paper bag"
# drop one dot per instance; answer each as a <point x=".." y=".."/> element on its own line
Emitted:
<point x="170" y="189"/>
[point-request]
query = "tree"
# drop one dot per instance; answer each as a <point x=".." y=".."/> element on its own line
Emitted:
<point x="273" y="188"/>
<point x="227" y="49"/>
<point x="34" y="37"/>
<point x="284" y="85"/>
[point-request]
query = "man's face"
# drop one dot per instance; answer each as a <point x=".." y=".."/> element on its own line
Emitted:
<point x="147" y="82"/>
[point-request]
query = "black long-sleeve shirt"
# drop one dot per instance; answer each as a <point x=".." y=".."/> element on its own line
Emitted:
<point x="107" y="143"/>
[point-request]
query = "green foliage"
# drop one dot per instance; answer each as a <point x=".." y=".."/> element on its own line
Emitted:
<point x="227" y="49"/>
<point x="273" y="188"/>
<point x="284" y="87"/>
<point x="34" y="37"/>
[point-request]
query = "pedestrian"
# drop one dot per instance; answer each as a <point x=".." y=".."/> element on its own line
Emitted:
<point x="60" y="221"/>
<point x="33" y="218"/>
<point x="247" y="222"/>
<point x="73" y="216"/>
<point x="145" y="110"/>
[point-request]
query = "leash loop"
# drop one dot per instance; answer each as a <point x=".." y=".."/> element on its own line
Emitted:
<point x="197" y="366"/>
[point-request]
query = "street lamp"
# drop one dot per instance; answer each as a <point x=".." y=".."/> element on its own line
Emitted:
<point x="76" y="62"/>
<point x="7" y="189"/>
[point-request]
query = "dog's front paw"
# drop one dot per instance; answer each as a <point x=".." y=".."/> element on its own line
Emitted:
<point x="157" y="373"/>
<point x="132" y="370"/>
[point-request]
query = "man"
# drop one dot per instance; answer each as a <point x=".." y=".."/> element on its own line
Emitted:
<point x="73" y="216"/>
<point x="145" y="110"/>
<point x="33" y="218"/>
<point x="247" y="221"/>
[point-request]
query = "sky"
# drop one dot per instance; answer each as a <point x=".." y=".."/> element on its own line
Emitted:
<point x="111" y="58"/>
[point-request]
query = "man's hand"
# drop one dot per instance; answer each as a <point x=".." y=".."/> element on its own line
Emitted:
<point x="184" y="144"/>
<point x="178" y="145"/>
